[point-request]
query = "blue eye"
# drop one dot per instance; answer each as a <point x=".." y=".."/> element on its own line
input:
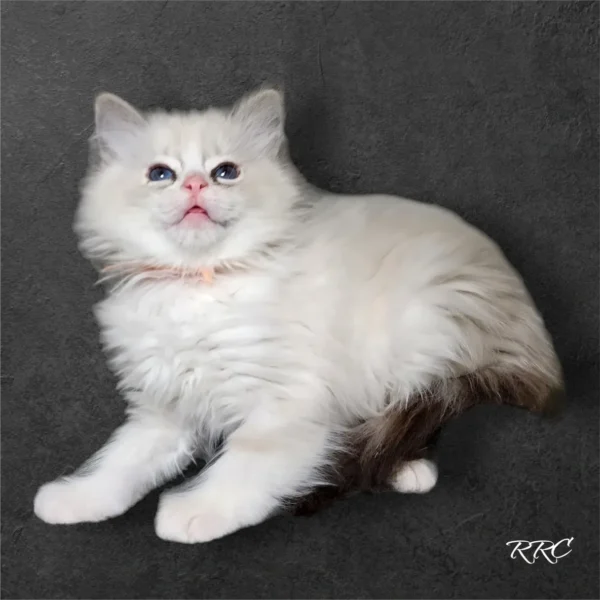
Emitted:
<point x="226" y="170"/>
<point x="161" y="173"/>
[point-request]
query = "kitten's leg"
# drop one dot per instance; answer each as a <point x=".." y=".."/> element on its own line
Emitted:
<point x="144" y="452"/>
<point x="418" y="474"/>
<point x="264" y="461"/>
<point x="415" y="476"/>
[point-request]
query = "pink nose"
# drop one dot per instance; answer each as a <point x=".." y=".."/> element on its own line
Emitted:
<point x="194" y="183"/>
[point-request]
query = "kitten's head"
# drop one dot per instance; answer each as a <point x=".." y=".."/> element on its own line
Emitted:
<point x="186" y="188"/>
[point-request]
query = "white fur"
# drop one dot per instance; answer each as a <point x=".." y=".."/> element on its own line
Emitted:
<point x="331" y="303"/>
<point x="415" y="477"/>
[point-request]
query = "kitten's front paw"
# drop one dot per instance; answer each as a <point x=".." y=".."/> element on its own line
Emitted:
<point x="68" y="501"/>
<point x="415" y="477"/>
<point x="190" y="519"/>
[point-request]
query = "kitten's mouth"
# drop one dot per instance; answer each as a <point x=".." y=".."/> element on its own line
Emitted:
<point x="196" y="210"/>
<point x="195" y="214"/>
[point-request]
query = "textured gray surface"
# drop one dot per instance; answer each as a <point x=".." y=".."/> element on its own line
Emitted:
<point x="490" y="108"/>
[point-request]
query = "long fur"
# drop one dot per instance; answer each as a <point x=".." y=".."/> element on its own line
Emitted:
<point x="335" y="327"/>
<point x="372" y="452"/>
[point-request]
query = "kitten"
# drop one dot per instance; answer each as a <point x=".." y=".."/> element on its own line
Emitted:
<point x="308" y="331"/>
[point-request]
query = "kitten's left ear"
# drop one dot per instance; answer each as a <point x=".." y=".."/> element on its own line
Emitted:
<point x="262" y="117"/>
<point x="118" y="125"/>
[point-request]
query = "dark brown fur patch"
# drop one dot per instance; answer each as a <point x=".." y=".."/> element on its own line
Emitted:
<point x="374" y="450"/>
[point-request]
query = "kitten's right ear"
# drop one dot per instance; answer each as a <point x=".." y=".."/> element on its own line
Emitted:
<point x="118" y="126"/>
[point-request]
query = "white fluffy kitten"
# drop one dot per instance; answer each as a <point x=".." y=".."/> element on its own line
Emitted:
<point x="245" y="304"/>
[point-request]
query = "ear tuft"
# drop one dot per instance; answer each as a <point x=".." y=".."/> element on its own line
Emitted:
<point x="262" y="117"/>
<point x="117" y="125"/>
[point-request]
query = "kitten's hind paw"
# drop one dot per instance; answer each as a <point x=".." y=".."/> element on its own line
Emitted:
<point x="415" y="477"/>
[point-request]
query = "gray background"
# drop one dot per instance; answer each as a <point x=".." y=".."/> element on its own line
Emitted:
<point x="489" y="108"/>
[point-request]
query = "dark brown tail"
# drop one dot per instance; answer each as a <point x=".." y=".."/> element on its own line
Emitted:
<point x="373" y="451"/>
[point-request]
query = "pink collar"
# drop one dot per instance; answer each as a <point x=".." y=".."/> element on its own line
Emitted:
<point x="206" y="275"/>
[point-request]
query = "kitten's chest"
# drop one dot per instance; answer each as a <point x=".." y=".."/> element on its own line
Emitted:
<point x="181" y="343"/>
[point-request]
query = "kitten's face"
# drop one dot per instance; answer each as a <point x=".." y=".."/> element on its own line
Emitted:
<point x="178" y="188"/>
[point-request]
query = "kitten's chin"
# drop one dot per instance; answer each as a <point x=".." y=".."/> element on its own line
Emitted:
<point x="196" y="231"/>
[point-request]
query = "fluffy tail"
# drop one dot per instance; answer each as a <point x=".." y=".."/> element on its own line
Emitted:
<point x="373" y="451"/>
